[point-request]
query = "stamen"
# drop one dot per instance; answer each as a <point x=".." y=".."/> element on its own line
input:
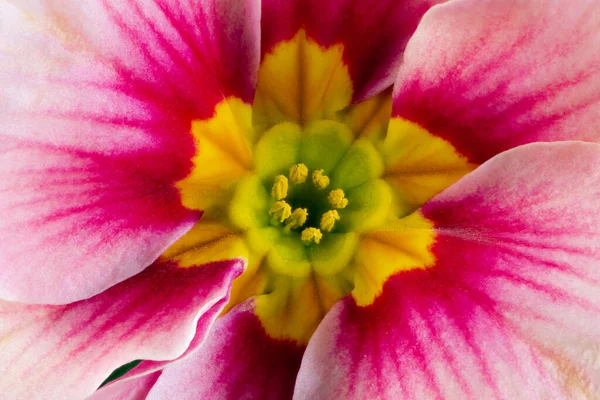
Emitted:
<point x="328" y="220"/>
<point x="280" y="210"/>
<point x="298" y="173"/>
<point x="311" y="235"/>
<point x="320" y="181"/>
<point x="337" y="198"/>
<point x="297" y="219"/>
<point x="280" y="187"/>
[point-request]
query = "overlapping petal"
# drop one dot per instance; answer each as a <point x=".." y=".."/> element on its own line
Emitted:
<point x="143" y="376"/>
<point x="372" y="36"/>
<point x="509" y="310"/>
<point x="67" y="351"/>
<point x="133" y="389"/>
<point x="491" y="75"/>
<point x="238" y="360"/>
<point x="96" y="102"/>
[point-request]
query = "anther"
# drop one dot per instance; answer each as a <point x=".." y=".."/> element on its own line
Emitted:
<point x="328" y="220"/>
<point x="320" y="181"/>
<point x="280" y="187"/>
<point x="280" y="211"/>
<point x="298" y="173"/>
<point x="337" y="198"/>
<point x="309" y="235"/>
<point x="297" y="219"/>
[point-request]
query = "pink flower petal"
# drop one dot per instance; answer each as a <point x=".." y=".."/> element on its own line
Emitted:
<point x="238" y="360"/>
<point x="144" y="369"/>
<point x="67" y="351"/>
<point x="530" y="216"/>
<point x="96" y="101"/>
<point x="491" y="75"/>
<point x="373" y="34"/>
<point x="509" y="310"/>
<point x="74" y="222"/>
<point x="134" y="389"/>
<point x="421" y="339"/>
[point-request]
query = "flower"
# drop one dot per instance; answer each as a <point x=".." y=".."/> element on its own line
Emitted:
<point x="434" y="240"/>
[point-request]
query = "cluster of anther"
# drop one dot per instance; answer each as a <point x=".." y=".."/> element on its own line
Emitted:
<point x="282" y="212"/>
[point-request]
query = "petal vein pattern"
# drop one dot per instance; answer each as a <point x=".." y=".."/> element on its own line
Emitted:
<point x="510" y="307"/>
<point x="96" y="100"/>
<point x="518" y="72"/>
<point x="405" y="242"/>
<point x="152" y="316"/>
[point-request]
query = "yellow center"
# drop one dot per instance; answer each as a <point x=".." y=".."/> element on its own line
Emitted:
<point x="321" y="197"/>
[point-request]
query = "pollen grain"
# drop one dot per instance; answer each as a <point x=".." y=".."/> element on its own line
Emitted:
<point x="281" y="210"/>
<point x="279" y="190"/>
<point x="297" y="219"/>
<point x="310" y="235"/>
<point x="320" y="180"/>
<point x="337" y="198"/>
<point x="298" y="173"/>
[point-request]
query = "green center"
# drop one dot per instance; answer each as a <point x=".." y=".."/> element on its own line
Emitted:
<point x="329" y="149"/>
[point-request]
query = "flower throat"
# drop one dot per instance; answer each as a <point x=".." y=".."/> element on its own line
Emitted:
<point x="301" y="203"/>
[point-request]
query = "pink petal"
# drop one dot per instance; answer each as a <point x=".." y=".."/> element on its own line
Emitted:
<point x="514" y="72"/>
<point x="530" y="216"/>
<point x="178" y="58"/>
<point x="422" y="339"/>
<point x="74" y="222"/>
<point x="147" y="368"/>
<point x="96" y="101"/>
<point x="509" y="310"/>
<point x="238" y="360"/>
<point x="374" y="34"/>
<point x="134" y="389"/>
<point x="67" y="351"/>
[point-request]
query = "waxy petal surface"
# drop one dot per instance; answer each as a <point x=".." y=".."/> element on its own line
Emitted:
<point x="238" y="360"/>
<point x="153" y="315"/>
<point x="418" y="342"/>
<point x="97" y="100"/>
<point x="515" y="72"/>
<point x="138" y="382"/>
<point x="134" y="389"/>
<point x="73" y="222"/>
<point x="373" y="34"/>
<point x="140" y="375"/>
<point x="510" y="308"/>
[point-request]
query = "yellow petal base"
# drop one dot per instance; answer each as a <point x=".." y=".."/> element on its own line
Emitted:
<point x="317" y="195"/>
